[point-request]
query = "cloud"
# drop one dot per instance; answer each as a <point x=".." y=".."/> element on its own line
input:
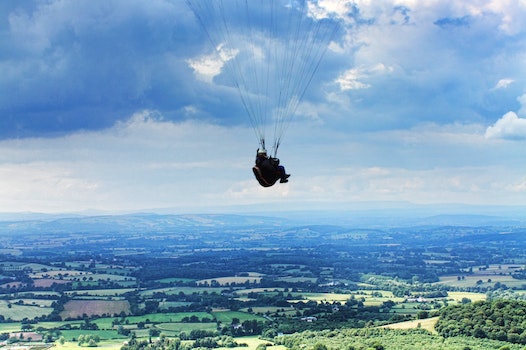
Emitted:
<point x="509" y="127"/>
<point x="63" y="61"/>
<point x="142" y="162"/>
<point x="113" y="104"/>
<point x="353" y="78"/>
<point x="147" y="161"/>
<point x="85" y="65"/>
<point x="503" y="83"/>
<point x="208" y="66"/>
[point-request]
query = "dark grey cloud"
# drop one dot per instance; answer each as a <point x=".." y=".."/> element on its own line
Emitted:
<point x="84" y="64"/>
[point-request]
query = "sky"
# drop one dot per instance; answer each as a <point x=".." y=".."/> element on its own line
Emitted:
<point x="115" y="106"/>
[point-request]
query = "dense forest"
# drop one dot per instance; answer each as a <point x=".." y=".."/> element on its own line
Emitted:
<point x="501" y="320"/>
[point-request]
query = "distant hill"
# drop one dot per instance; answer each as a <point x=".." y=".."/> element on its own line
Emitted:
<point x="316" y="221"/>
<point x="135" y="223"/>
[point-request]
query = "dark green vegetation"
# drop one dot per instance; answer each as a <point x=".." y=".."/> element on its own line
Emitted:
<point x="500" y="320"/>
<point x="206" y="280"/>
<point x="386" y="339"/>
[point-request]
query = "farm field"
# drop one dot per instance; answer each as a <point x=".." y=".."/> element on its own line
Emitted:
<point x="100" y="292"/>
<point x="227" y="316"/>
<point x="458" y="296"/>
<point x="427" y="323"/>
<point x="77" y="308"/>
<point x="175" y="328"/>
<point x="167" y="317"/>
<point x="485" y="277"/>
<point x="105" y="345"/>
<point x="16" y="312"/>
<point x="252" y="343"/>
<point x="193" y="283"/>
<point x="325" y="297"/>
<point x="226" y="281"/>
<point x="71" y="335"/>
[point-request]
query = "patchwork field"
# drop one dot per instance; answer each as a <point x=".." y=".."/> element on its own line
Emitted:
<point x="77" y="308"/>
<point x="485" y="277"/>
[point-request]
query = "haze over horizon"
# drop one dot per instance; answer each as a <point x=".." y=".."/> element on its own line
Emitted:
<point x="103" y="110"/>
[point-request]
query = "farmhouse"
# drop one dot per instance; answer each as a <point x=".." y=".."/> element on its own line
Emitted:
<point x="309" y="319"/>
<point x="416" y="300"/>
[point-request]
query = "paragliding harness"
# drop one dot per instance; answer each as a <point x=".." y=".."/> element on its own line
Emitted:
<point x="266" y="180"/>
<point x="266" y="170"/>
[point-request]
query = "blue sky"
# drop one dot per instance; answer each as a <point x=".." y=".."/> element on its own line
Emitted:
<point x="103" y="107"/>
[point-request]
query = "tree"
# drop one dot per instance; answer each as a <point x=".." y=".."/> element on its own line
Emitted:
<point x="422" y="314"/>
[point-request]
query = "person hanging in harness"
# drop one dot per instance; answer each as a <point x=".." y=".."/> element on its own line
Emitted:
<point x="268" y="170"/>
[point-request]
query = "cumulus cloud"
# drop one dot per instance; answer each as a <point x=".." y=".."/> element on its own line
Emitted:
<point x="509" y="127"/>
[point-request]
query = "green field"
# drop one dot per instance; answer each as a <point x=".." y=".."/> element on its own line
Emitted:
<point x="226" y="317"/>
<point x="175" y="328"/>
<point x="167" y="318"/>
<point x="58" y="324"/>
<point x="10" y="327"/>
<point x="271" y="309"/>
<point x="69" y="335"/>
<point x="104" y="344"/>
<point x="101" y="292"/>
<point x="17" y="312"/>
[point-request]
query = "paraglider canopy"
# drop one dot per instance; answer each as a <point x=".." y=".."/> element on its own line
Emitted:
<point x="270" y="49"/>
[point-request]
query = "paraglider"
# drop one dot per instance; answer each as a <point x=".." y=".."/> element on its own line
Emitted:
<point x="270" y="50"/>
<point x="268" y="170"/>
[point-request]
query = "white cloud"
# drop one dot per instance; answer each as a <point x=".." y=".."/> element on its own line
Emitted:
<point x="503" y="83"/>
<point x="148" y="162"/>
<point x="144" y="162"/>
<point x="327" y="8"/>
<point x="353" y="79"/>
<point x="208" y="66"/>
<point x="509" y="127"/>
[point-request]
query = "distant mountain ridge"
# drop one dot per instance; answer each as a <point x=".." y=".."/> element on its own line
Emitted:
<point x="148" y="222"/>
<point x="136" y="222"/>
